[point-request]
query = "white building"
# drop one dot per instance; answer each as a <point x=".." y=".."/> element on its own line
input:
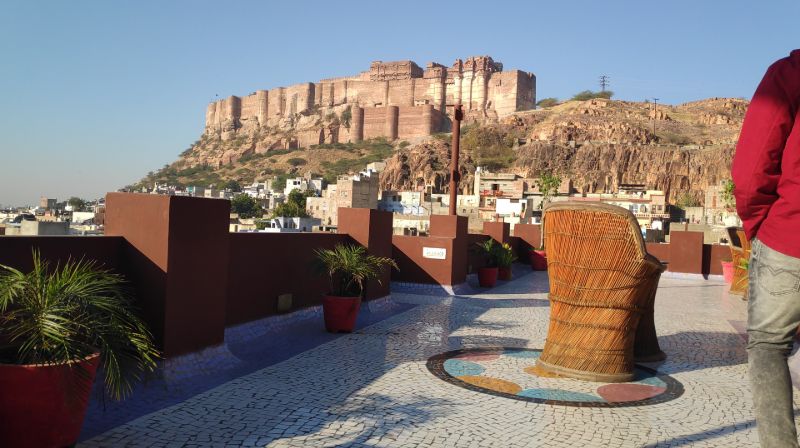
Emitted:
<point x="284" y="224"/>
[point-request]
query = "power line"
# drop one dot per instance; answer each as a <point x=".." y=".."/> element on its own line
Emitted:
<point x="605" y="81"/>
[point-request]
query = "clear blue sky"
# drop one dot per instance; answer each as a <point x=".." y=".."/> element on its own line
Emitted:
<point x="98" y="93"/>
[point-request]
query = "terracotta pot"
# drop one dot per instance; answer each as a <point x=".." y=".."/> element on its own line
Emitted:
<point x="727" y="271"/>
<point x="340" y="313"/>
<point x="44" y="405"/>
<point x="539" y="260"/>
<point x="487" y="277"/>
<point x="504" y="273"/>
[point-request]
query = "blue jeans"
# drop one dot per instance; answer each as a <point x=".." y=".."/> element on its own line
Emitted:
<point x="772" y="320"/>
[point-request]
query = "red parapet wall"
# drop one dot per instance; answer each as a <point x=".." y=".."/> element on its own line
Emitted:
<point x="265" y="265"/>
<point x="16" y="251"/>
<point x="408" y="252"/>
<point x="176" y="255"/>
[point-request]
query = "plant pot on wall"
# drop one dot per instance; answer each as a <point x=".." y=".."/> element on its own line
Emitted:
<point x="43" y="405"/>
<point x="340" y="313"/>
<point x="487" y="277"/>
<point x="539" y="260"/>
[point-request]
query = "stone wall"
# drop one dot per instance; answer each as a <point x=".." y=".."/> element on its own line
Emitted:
<point x="395" y="122"/>
<point x="478" y="83"/>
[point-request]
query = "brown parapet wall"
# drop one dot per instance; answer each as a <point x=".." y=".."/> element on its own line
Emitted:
<point x="686" y="252"/>
<point x="498" y="231"/>
<point x="415" y="268"/>
<point x="16" y="251"/>
<point x="529" y="237"/>
<point x="176" y="254"/>
<point x="265" y="265"/>
<point x="373" y="230"/>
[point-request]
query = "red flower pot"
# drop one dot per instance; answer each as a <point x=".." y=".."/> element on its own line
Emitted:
<point x="44" y="405"/>
<point x="539" y="260"/>
<point x="727" y="271"/>
<point x="504" y="273"/>
<point x="340" y="313"/>
<point x="487" y="277"/>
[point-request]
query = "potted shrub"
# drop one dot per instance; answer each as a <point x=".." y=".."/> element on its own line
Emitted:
<point x="538" y="259"/>
<point x="57" y="325"/>
<point x="505" y="258"/>
<point x="487" y="275"/>
<point x="349" y="267"/>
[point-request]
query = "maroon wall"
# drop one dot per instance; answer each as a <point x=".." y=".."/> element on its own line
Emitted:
<point x="176" y="253"/>
<point x="527" y="237"/>
<point x="499" y="231"/>
<point x="713" y="254"/>
<point x="660" y="251"/>
<point x="686" y="252"/>
<point x="15" y="251"/>
<point x="417" y="269"/>
<point x="373" y="230"/>
<point x="448" y="233"/>
<point x="265" y="265"/>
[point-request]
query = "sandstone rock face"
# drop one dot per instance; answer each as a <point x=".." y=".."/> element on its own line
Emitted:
<point x="425" y="166"/>
<point x="599" y="144"/>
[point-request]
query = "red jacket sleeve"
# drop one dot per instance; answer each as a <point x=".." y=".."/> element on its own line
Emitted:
<point x="757" y="163"/>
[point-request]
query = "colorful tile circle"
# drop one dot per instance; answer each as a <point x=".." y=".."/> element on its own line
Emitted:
<point x="512" y="373"/>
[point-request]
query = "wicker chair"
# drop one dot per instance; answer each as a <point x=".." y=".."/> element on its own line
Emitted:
<point x="740" y="255"/>
<point x="602" y="288"/>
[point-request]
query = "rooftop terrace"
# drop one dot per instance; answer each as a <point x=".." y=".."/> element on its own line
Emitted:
<point x="434" y="360"/>
<point x="430" y="368"/>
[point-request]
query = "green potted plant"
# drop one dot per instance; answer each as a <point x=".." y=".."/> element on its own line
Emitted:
<point x="349" y="268"/>
<point x="487" y="275"/>
<point x="57" y="325"/>
<point x="505" y="258"/>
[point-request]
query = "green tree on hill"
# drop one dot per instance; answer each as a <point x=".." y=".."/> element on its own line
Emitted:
<point x="590" y="95"/>
<point x="547" y="102"/>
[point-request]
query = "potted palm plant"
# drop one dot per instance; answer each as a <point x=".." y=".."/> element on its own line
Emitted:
<point x="349" y="268"/>
<point x="505" y="258"/>
<point x="57" y="325"/>
<point x="487" y="275"/>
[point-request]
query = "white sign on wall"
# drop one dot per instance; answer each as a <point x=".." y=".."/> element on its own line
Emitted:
<point x="437" y="253"/>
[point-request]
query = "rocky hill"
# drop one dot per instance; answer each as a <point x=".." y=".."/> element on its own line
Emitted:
<point x="598" y="143"/>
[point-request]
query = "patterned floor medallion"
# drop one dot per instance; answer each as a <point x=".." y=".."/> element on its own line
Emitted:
<point x="512" y="373"/>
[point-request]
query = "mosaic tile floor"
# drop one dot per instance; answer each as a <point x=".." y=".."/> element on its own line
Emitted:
<point x="373" y="388"/>
<point x="511" y="373"/>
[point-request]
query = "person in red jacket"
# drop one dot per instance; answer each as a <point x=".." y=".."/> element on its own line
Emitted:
<point x="766" y="175"/>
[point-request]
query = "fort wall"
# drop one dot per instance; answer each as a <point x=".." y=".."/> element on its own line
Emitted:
<point x="478" y="83"/>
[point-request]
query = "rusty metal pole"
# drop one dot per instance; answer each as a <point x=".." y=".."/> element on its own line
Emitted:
<point x="455" y="176"/>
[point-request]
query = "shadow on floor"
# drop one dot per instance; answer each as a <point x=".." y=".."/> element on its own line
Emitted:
<point x="707" y="350"/>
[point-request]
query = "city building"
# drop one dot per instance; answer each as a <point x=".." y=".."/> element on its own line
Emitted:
<point x="47" y="203"/>
<point x="352" y="191"/>
<point x="304" y="184"/>
<point x="648" y="206"/>
<point x="290" y="224"/>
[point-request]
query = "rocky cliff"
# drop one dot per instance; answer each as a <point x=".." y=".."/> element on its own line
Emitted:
<point x="599" y="144"/>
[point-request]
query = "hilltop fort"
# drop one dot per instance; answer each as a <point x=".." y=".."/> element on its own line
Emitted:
<point x="394" y="100"/>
